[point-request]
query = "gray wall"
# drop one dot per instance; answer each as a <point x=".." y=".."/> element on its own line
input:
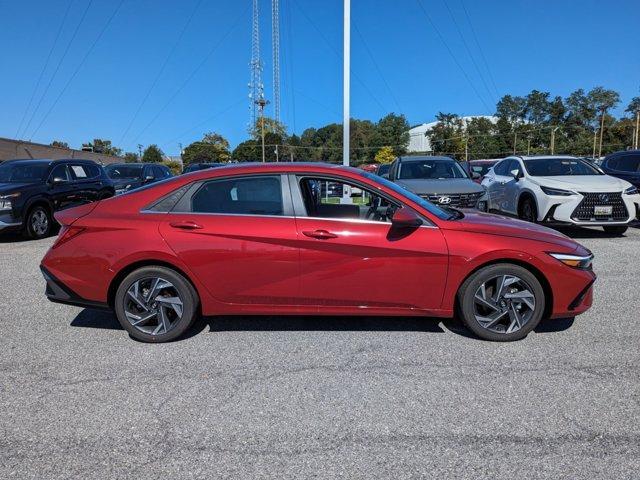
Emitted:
<point x="12" y="149"/>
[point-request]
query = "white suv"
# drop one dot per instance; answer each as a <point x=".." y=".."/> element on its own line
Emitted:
<point x="561" y="190"/>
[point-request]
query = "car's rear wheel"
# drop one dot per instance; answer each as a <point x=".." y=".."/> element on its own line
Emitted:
<point x="615" y="230"/>
<point x="156" y="304"/>
<point x="502" y="302"/>
<point x="38" y="222"/>
<point x="528" y="210"/>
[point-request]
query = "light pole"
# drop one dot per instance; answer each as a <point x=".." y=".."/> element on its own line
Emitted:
<point x="635" y="145"/>
<point x="346" y="84"/>
<point x="261" y="102"/>
<point x="604" y="111"/>
<point x="553" y="140"/>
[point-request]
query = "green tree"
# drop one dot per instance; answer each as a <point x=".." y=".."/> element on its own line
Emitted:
<point x="392" y="130"/>
<point x="152" y="154"/>
<point x="175" y="167"/>
<point x="131" y="157"/>
<point x="447" y="136"/>
<point x="247" y="151"/>
<point x="537" y="107"/>
<point x="634" y="106"/>
<point x="100" y="145"/>
<point x="59" y="144"/>
<point x="271" y="125"/>
<point x="212" y="148"/>
<point x="512" y="109"/>
<point x="385" y="155"/>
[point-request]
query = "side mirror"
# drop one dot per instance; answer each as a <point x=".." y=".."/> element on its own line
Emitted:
<point x="56" y="181"/>
<point x="515" y="174"/>
<point x="149" y="178"/>
<point x="405" y="217"/>
<point x="475" y="175"/>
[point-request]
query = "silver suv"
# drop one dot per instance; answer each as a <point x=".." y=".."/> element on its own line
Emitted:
<point x="441" y="180"/>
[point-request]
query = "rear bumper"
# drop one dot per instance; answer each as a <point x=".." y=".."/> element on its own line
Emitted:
<point x="58" y="292"/>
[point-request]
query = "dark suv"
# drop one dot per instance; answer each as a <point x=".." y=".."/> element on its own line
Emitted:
<point x="624" y="165"/>
<point x="440" y="180"/>
<point x="129" y="176"/>
<point x="195" y="167"/>
<point x="32" y="190"/>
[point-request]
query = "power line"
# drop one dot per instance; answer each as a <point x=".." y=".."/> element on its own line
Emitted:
<point x="355" y="76"/>
<point x="44" y="68"/>
<point x="75" y="72"/>
<point x="55" y="72"/>
<point x="471" y="56"/>
<point x="161" y="71"/>
<point x="375" y="64"/>
<point x="484" y="59"/>
<point x="192" y="74"/>
<point x="207" y="120"/>
<point x="444" y="42"/>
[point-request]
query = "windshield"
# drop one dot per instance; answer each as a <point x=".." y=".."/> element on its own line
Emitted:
<point x="427" y="205"/>
<point x="555" y="167"/>
<point x="431" y="169"/>
<point x="23" y="172"/>
<point x="124" y="171"/>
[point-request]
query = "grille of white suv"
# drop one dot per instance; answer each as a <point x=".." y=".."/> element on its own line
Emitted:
<point x="585" y="211"/>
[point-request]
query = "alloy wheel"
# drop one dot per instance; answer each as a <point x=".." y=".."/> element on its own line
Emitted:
<point x="39" y="222"/>
<point x="504" y="304"/>
<point x="153" y="305"/>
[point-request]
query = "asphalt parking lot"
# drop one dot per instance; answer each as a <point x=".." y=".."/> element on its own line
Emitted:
<point x="319" y="397"/>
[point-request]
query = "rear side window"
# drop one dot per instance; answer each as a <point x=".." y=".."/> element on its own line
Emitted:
<point x="626" y="163"/>
<point x="82" y="172"/>
<point x="260" y="195"/>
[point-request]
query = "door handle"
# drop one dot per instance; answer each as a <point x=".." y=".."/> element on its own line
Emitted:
<point x="187" y="225"/>
<point x="319" y="234"/>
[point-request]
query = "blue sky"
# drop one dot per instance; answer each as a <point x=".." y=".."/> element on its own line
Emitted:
<point x="400" y="62"/>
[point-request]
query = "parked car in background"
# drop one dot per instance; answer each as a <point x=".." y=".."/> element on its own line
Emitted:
<point x="32" y="190"/>
<point x="260" y="239"/>
<point x="477" y="169"/>
<point x="561" y="190"/>
<point x="194" y="167"/>
<point x="383" y="169"/>
<point x="129" y="176"/>
<point x="440" y="180"/>
<point x="625" y="165"/>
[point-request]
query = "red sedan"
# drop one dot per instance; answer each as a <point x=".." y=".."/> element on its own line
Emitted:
<point x="268" y="239"/>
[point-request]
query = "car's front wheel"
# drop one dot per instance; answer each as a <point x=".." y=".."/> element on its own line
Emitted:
<point x="156" y="304"/>
<point x="502" y="302"/>
<point x="528" y="211"/>
<point x="39" y="222"/>
<point x="615" y="229"/>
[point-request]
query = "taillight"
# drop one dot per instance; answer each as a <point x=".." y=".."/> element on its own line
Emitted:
<point x="66" y="234"/>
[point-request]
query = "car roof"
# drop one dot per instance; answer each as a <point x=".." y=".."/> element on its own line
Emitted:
<point x="417" y="158"/>
<point x="486" y="160"/>
<point x="546" y="157"/>
<point x="276" y="167"/>
<point x="48" y="161"/>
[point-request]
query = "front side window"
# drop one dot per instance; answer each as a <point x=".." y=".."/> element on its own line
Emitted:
<point x="501" y="167"/>
<point x="431" y="170"/>
<point x="118" y="172"/>
<point x="556" y="167"/>
<point x="323" y="199"/>
<point x="60" y="173"/>
<point x="260" y="195"/>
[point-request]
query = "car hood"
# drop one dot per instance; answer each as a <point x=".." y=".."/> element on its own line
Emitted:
<point x="584" y="183"/>
<point x="8" y="188"/>
<point x="479" y="222"/>
<point x="452" y="185"/>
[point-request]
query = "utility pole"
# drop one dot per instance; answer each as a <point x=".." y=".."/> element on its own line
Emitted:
<point x="515" y="141"/>
<point x="595" y="138"/>
<point x="635" y="145"/>
<point x="276" y="152"/>
<point x="261" y="103"/>
<point x="528" y="146"/>
<point x="553" y="140"/>
<point x="466" y="148"/>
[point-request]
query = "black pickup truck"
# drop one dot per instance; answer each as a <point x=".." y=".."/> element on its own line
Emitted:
<point x="32" y="190"/>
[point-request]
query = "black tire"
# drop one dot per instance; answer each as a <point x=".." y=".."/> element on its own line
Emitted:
<point x="615" y="230"/>
<point x="182" y="289"/>
<point x="467" y="301"/>
<point x="39" y="222"/>
<point x="528" y="210"/>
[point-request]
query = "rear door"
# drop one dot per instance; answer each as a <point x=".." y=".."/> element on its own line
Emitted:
<point x="351" y="257"/>
<point x="495" y="184"/>
<point x="238" y="236"/>
<point x="87" y="181"/>
<point x="62" y="190"/>
<point x="511" y="188"/>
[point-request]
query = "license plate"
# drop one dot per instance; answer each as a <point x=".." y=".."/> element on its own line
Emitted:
<point x="603" y="210"/>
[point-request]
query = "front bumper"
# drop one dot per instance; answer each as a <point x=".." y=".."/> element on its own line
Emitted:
<point x="58" y="292"/>
<point x="557" y="210"/>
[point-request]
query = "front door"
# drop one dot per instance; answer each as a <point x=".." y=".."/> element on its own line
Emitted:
<point x="238" y="237"/>
<point x="63" y="191"/>
<point x="351" y="256"/>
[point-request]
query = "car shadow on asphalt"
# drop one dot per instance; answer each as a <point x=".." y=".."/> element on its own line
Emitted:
<point x="102" y="319"/>
<point x="577" y="233"/>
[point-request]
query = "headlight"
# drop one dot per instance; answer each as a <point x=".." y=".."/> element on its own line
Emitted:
<point x="556" y="191"/>
<point x="5" y="202"/>
<point x="575" y="261"/>
<point x="631" y="190"/>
